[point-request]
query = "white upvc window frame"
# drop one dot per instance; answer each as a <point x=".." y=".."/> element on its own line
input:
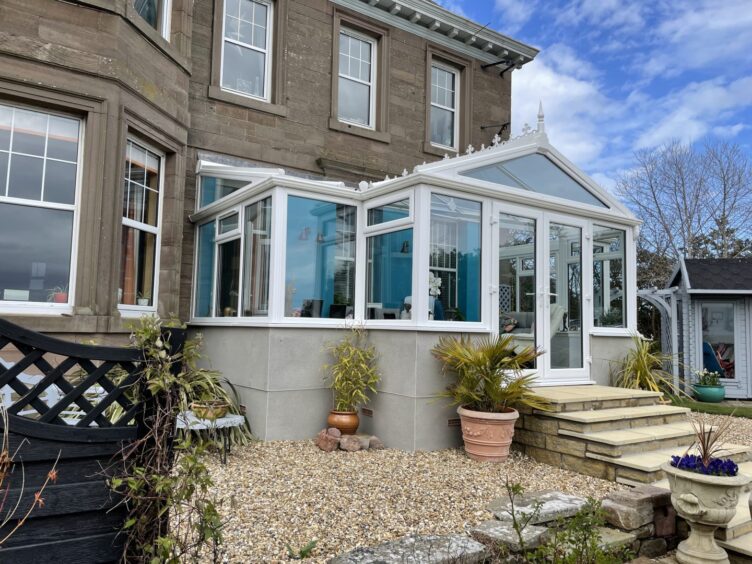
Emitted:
<point x="165" y="19"/>
<point x="128" y="310"/>
<point x="266" y="52"/>
<point x="455" y="110"/>
<point x="49" y="308"/>
<point x="344" y="30"/>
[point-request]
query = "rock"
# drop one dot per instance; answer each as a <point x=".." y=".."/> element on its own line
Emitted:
<point x="631" y="498"/>
<point x="611" y="539"/>
<point x="364" y="440"/>
<point x="325" y="441"/>
<point x="644" y="532"/>
<point x="501" y="533"/>
<point x="682" y="529"/>
<point x="350" y="443"/>
<point x="334" y="432"/>
<point x="376" y="444"/>
<point x="429" y="549"/>
<point x="664" y="519"/>
<point x="554" y="505"/>
<point x="626" y="517"/>
<point x="660" y="497"/>
<point x="653" y="547"/>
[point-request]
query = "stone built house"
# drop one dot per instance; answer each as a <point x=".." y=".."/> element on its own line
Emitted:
<point x="225" y="160"/>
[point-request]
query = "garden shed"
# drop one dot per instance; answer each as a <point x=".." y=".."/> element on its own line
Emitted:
<point x="509" y="238"/>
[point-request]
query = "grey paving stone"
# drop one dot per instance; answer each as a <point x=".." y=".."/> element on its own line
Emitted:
<point x="415" y="549"/>
<point x="554" y="505"/>
<point x="501" y="532"/>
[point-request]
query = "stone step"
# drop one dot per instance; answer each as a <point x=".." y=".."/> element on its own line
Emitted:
<point x="645" y="467"/>
<point x="739" y="549"/>
<point x="620" y="418"/>
<point x="637" y="440"/>
<point x="584" y="398"/>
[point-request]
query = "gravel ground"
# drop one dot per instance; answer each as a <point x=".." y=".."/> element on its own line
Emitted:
<point x="740" y="432"/>
<point x="292" y="492"/>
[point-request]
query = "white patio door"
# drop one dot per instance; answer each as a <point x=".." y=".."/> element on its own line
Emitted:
<point x="542" y="289"/>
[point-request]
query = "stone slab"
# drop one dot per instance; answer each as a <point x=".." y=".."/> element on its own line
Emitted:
<point x="626" y="517"/>
<point x="636" y="435"/>
<point x="554" y="505"/>
<point x="419" y="549"/>
<point x="501" y="532"/>
<point x="619" y="413"/>
<point x="653" y="460"/>
<point x="613" y="538"/>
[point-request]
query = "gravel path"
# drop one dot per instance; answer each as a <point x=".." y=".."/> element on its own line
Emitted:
<point x="291" y="492"/>
<point x="740" y="432"/>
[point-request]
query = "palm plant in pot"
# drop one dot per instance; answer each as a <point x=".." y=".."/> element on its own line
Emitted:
<point x="351" y="375"/>
<point x="489" y="384"/>
<point x="705" y="491"/>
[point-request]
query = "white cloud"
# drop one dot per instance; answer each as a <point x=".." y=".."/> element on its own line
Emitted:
<point x="514" y="14"/>
<point x="729" y="130"/>
<point x="605" y="14"/>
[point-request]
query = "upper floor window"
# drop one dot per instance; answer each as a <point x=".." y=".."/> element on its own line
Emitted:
<point x="246" y="50"/>
<point x="357" y="73"/>
<point x="142" y="187"/>
<point x="38" y="183"/>
<point x="444" y="106"/>
<point x="156" y="13"/>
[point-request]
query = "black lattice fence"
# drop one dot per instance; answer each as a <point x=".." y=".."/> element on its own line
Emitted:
<point x="70" y="401"/>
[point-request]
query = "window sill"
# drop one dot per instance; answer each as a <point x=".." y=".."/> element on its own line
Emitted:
<point x="33" y="309"/>
<point x="216" y="93"/>
<point x="380" y="136"/>
<point x="611" y="332"/>
<point x="439" y="151"/>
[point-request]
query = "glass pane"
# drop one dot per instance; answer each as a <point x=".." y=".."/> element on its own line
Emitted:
<point x="229" y="223"/>
<point x="718" y="338"/>
<point x="228" y="278"/>
<point x="537" y="174"/>
<point x="35" y="254"/>
<point x="258" y="240"/>
<point x="442" y="127"/>
<point x="517" y="279"/>
<point x="3" y="172"/>
<point x="63" y="139"/>
<point x="137" y="263"/>
<point x="151" y="207"/>
<point x="389" y="276"/>
<point x="389" y="212"/>
<point x="454" y="263"/>
<point x="133" y="201"/>
<point x="609" y="300"/>
<point x="354" y="101"/>
<point x="442" y="87"/>
<point x="29" y="132"/>
<point x="212" y="188"/>
<point x="149" y="10"/>
<point x="141" y="187"/>
<point x="566" y="298"/>
<point x="205" y="271"/>
<point x="6" y="118"/>
<point x="60" y="182"/>
<point x="25" y="179"/>
<point x="320" y="263"/>
<point x="243" y="70"/>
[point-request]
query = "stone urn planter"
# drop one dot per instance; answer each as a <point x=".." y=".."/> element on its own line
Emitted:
<point x="706" y="502"/>
<point x="487" y="436"/>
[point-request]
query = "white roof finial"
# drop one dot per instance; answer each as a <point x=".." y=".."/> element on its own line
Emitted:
<point x="541" y="124"/>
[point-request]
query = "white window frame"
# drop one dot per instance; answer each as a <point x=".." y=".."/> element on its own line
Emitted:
<point x="266" y="52"/>
<point x="371" y="85"/>
<point x="128" y="310"/>
<point x="385" y="201"/>
<point x="48" y="308"/>
<point x="165" y="19"/>
<point x="455" y="111"/>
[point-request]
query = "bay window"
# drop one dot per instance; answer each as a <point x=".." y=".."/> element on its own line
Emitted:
<point x="444" y="106"/>
<point x="39" y="154"/>
<point x="246" y="48"/>
<point x="139" y="255"/>
<point x="357" y="77"/>
<point x="156" y="13"/>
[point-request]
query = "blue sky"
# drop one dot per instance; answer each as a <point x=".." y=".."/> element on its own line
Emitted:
<point x="616" y="76"/>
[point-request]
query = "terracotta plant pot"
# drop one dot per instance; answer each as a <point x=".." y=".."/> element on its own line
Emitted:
<point x="60" y="297"/>
<point x="487" y="436"/>
<point x="346" y="421"/>
<point x="706" y="502"/>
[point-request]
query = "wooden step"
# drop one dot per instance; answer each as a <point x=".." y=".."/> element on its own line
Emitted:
<point x="620" y="418"/>
<point x="638" y="440"/>
<point x="584" y="398"/>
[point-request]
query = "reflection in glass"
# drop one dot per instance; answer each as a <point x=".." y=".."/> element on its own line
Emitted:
<point x="517" y="279"/>
<point x="389" y="212"/>
<point x="320" y="262"/>
<point x="609" y="303"/>
<point x="455" y="258"/>
<point x="258" y="238"/>
<point x="35" y="253"/>
<point x="228" y="278"/>
<point x="228" y="223"/>
<point x="389" y="275"/>
<point x="205" y="270"/>
<point x="213" y="188"/>
<point x="718" y="338"/>
<point x="243" y="70"/>
<point x="25" y="178"/>
<point x="148" y="10"/>
<point x="60" y="182"/>
<point x="354" y="101"/>
<point x="137" y="256"/>
<point x="566" y="300"/>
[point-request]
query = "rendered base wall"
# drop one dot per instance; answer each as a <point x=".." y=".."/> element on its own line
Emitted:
<point x="279" y="377"/>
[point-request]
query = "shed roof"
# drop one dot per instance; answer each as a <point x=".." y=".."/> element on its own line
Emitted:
<point x="715" y="274"/>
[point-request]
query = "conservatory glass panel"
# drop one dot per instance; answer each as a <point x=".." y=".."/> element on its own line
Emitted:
<point x="455" y="259"/>
<point x="228" y="278"/>
<point x="566" y="297"/>
<point x="718" y="338"/>
<point x="320" y="261"/>
<point x="258" y="239"/>
<point x="205" y="270"/>
<point x="535" y="173"/>
<point x="213" y="188"/>
<point x="389" y="212"/>
<point x="389" y="276"/>
<point x="609" y="299"/>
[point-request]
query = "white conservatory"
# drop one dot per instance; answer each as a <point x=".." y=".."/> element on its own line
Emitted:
<point x="509" y="238"/>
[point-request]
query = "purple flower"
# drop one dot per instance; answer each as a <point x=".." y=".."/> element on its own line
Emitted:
<point x="716" y="467"/>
